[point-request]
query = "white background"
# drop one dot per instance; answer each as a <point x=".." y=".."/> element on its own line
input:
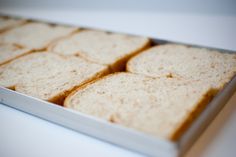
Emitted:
<point x="208" y="24"/>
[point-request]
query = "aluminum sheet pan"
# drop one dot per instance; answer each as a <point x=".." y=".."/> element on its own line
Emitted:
<point x="116" y="134"/>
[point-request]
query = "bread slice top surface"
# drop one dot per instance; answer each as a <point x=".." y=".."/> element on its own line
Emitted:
<point x="9" y="52"/>
<point x="100" y="47"/>
<point x="213" y="67"/>
<point x="157" y="106"/>
<point x="48" y="76"/>
<point x="7" y="23"/>
<point x="35" y="35"/>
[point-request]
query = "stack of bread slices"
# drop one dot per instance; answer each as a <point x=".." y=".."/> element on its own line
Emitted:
<point x="123" y="79"/>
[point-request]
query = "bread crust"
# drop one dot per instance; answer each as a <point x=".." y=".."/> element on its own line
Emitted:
<point x="66" y="103"/>
<point x="17" y="22"/>
<point x="59" y="99"/>
<point x="9" y="59"/>
<point x="120" y="64"/>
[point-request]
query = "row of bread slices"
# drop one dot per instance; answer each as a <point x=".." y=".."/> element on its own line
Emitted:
<point x="164" y="88"/>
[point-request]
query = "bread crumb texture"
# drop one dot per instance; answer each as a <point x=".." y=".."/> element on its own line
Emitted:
<point x="48" y="76"/>
<point x="100" y="47"/>
<point x="212" y="67"/>
<point x="35" y="35"/>
<point x="157" y="106"/>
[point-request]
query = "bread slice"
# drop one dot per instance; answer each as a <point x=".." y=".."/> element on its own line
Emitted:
<point x="212" y="67"/>
<point x="36" y="36"/>
<point x="7" y="23"/>
<point x="163" y="107"/>
<point x="48" y="76"/>
<point x="9" y="52"/>
<point x="102" y="47"/>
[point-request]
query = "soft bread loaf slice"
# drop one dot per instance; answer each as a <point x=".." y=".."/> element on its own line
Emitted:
<point x="101" y="47"/>
<point x="48" y="76"/>
<point x="35" y="35"/>
<point x="7" y="23"/>
<point x="9" y="52"/>
<point x="212" y="67"/>
<point x="163" y="107"/>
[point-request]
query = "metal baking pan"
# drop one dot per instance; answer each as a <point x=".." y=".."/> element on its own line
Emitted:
<point x="116" y="134"/>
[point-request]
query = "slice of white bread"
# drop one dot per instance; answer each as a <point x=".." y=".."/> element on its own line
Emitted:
<point x="9" y="52"/>
<point x="162" y="107"/>
<point x="36" y="36"/>
<point x="212" y="67"/>
<point x="7" y="23"/>
<point x="102" y="47"/>
<point x="48" y="76"/>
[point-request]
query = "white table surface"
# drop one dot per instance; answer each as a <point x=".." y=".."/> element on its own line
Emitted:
<point x="23" y="135"/>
